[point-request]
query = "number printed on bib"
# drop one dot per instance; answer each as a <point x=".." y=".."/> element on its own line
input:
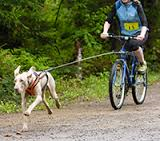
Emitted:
<point x="131" y="26"/>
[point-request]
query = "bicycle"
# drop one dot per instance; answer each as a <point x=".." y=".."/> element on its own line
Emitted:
<point x="124" y="76"/>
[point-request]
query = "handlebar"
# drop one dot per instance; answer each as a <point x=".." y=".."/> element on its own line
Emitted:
<point x="121" y="37"/>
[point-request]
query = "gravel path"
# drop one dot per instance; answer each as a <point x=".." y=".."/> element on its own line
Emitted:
<point x="94" y="121"/>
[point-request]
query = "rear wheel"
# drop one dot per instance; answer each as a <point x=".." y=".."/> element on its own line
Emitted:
<point x="116" y="87"/>
<point x="139" y="89"/>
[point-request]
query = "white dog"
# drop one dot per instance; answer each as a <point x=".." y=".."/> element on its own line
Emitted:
<point x="34" y="83"/>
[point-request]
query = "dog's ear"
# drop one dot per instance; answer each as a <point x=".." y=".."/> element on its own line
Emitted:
<point x="32" y="69"/>
<point x="16" y="71"/>
<point x="30" y="72"/>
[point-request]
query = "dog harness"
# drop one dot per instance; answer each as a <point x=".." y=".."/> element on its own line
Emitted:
<point x="30" y="90"/>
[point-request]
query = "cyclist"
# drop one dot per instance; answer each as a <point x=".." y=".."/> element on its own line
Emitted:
<point x="132" y="22"/>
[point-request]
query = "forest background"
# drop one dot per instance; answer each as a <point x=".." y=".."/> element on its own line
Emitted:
<point x="47" y="33"/>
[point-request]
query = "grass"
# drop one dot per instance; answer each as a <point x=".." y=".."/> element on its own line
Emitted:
<point x="153" y="77"/>
<point x="75" y="90"/>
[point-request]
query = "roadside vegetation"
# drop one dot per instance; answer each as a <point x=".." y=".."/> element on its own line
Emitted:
<point x="93" y="87"/>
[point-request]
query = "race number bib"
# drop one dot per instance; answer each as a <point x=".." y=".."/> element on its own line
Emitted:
<point x="131" y="26"/>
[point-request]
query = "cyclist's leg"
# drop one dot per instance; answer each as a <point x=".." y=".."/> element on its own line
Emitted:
<point x="139" y="54"/>
<point x="134" y="45"/>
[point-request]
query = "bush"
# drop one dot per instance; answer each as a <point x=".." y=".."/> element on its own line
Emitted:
<point x="9" y="62"/>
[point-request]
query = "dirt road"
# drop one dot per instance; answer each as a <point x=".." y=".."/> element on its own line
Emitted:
<point x="95" y="121"/>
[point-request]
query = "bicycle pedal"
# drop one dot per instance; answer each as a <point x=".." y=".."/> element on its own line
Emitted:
<point x="141" y="72"/>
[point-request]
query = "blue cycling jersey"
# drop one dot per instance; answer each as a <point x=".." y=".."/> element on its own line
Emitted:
<point x="129" y="20"/>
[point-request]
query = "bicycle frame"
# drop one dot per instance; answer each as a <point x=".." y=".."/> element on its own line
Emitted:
<point x="125" y="75"/>
<point x="130" y="73"/>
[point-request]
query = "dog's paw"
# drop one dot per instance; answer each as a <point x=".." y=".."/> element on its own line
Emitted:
<point x="50" y="112"/>
<point x="24" y="130"/>
<point x="26" y="113"/>
<point x="58" y="104"/>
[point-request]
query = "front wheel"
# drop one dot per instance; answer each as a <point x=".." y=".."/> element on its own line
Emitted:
<point x="116" y="86"/>
<point x="139" y="89"/>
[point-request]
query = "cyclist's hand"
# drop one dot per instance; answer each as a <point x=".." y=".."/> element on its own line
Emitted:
<point x="140" y="37"/>
<point x="104" y="35"/>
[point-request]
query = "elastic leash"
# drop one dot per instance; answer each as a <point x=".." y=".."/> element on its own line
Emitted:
<point x="88" y="58"/>
<point x="103" y="54"/>
<point x="3" y="45"/>
<point x="43" y="73"/>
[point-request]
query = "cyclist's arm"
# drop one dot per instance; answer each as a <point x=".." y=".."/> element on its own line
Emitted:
<point x="111" y="15"/>
<point x="106" y="27"/>
<point x="109" y="20"/>
<point x="143" y="19"/>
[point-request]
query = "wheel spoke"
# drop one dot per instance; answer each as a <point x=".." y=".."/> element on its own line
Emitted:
<point x="117" y="88"/>
<point x="139" y="91"/>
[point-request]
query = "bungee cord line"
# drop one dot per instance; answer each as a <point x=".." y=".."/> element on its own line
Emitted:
<point x="88" y="58"/>
<point x="95" y="56"/>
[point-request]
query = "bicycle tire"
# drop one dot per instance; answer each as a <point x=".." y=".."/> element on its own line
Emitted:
<point x="117" y="71"/>
<point x="141" y="83"/>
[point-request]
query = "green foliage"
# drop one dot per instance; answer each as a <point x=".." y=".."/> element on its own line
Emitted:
<point x="153" y="44"/>
<point x="154" y="55"/>
<point x="9" y="107"/>
<point x="153" y="77"/>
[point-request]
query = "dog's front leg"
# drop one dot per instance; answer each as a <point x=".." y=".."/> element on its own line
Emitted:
<point x="25" y="119"/>
<point x="34" y="104"/>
